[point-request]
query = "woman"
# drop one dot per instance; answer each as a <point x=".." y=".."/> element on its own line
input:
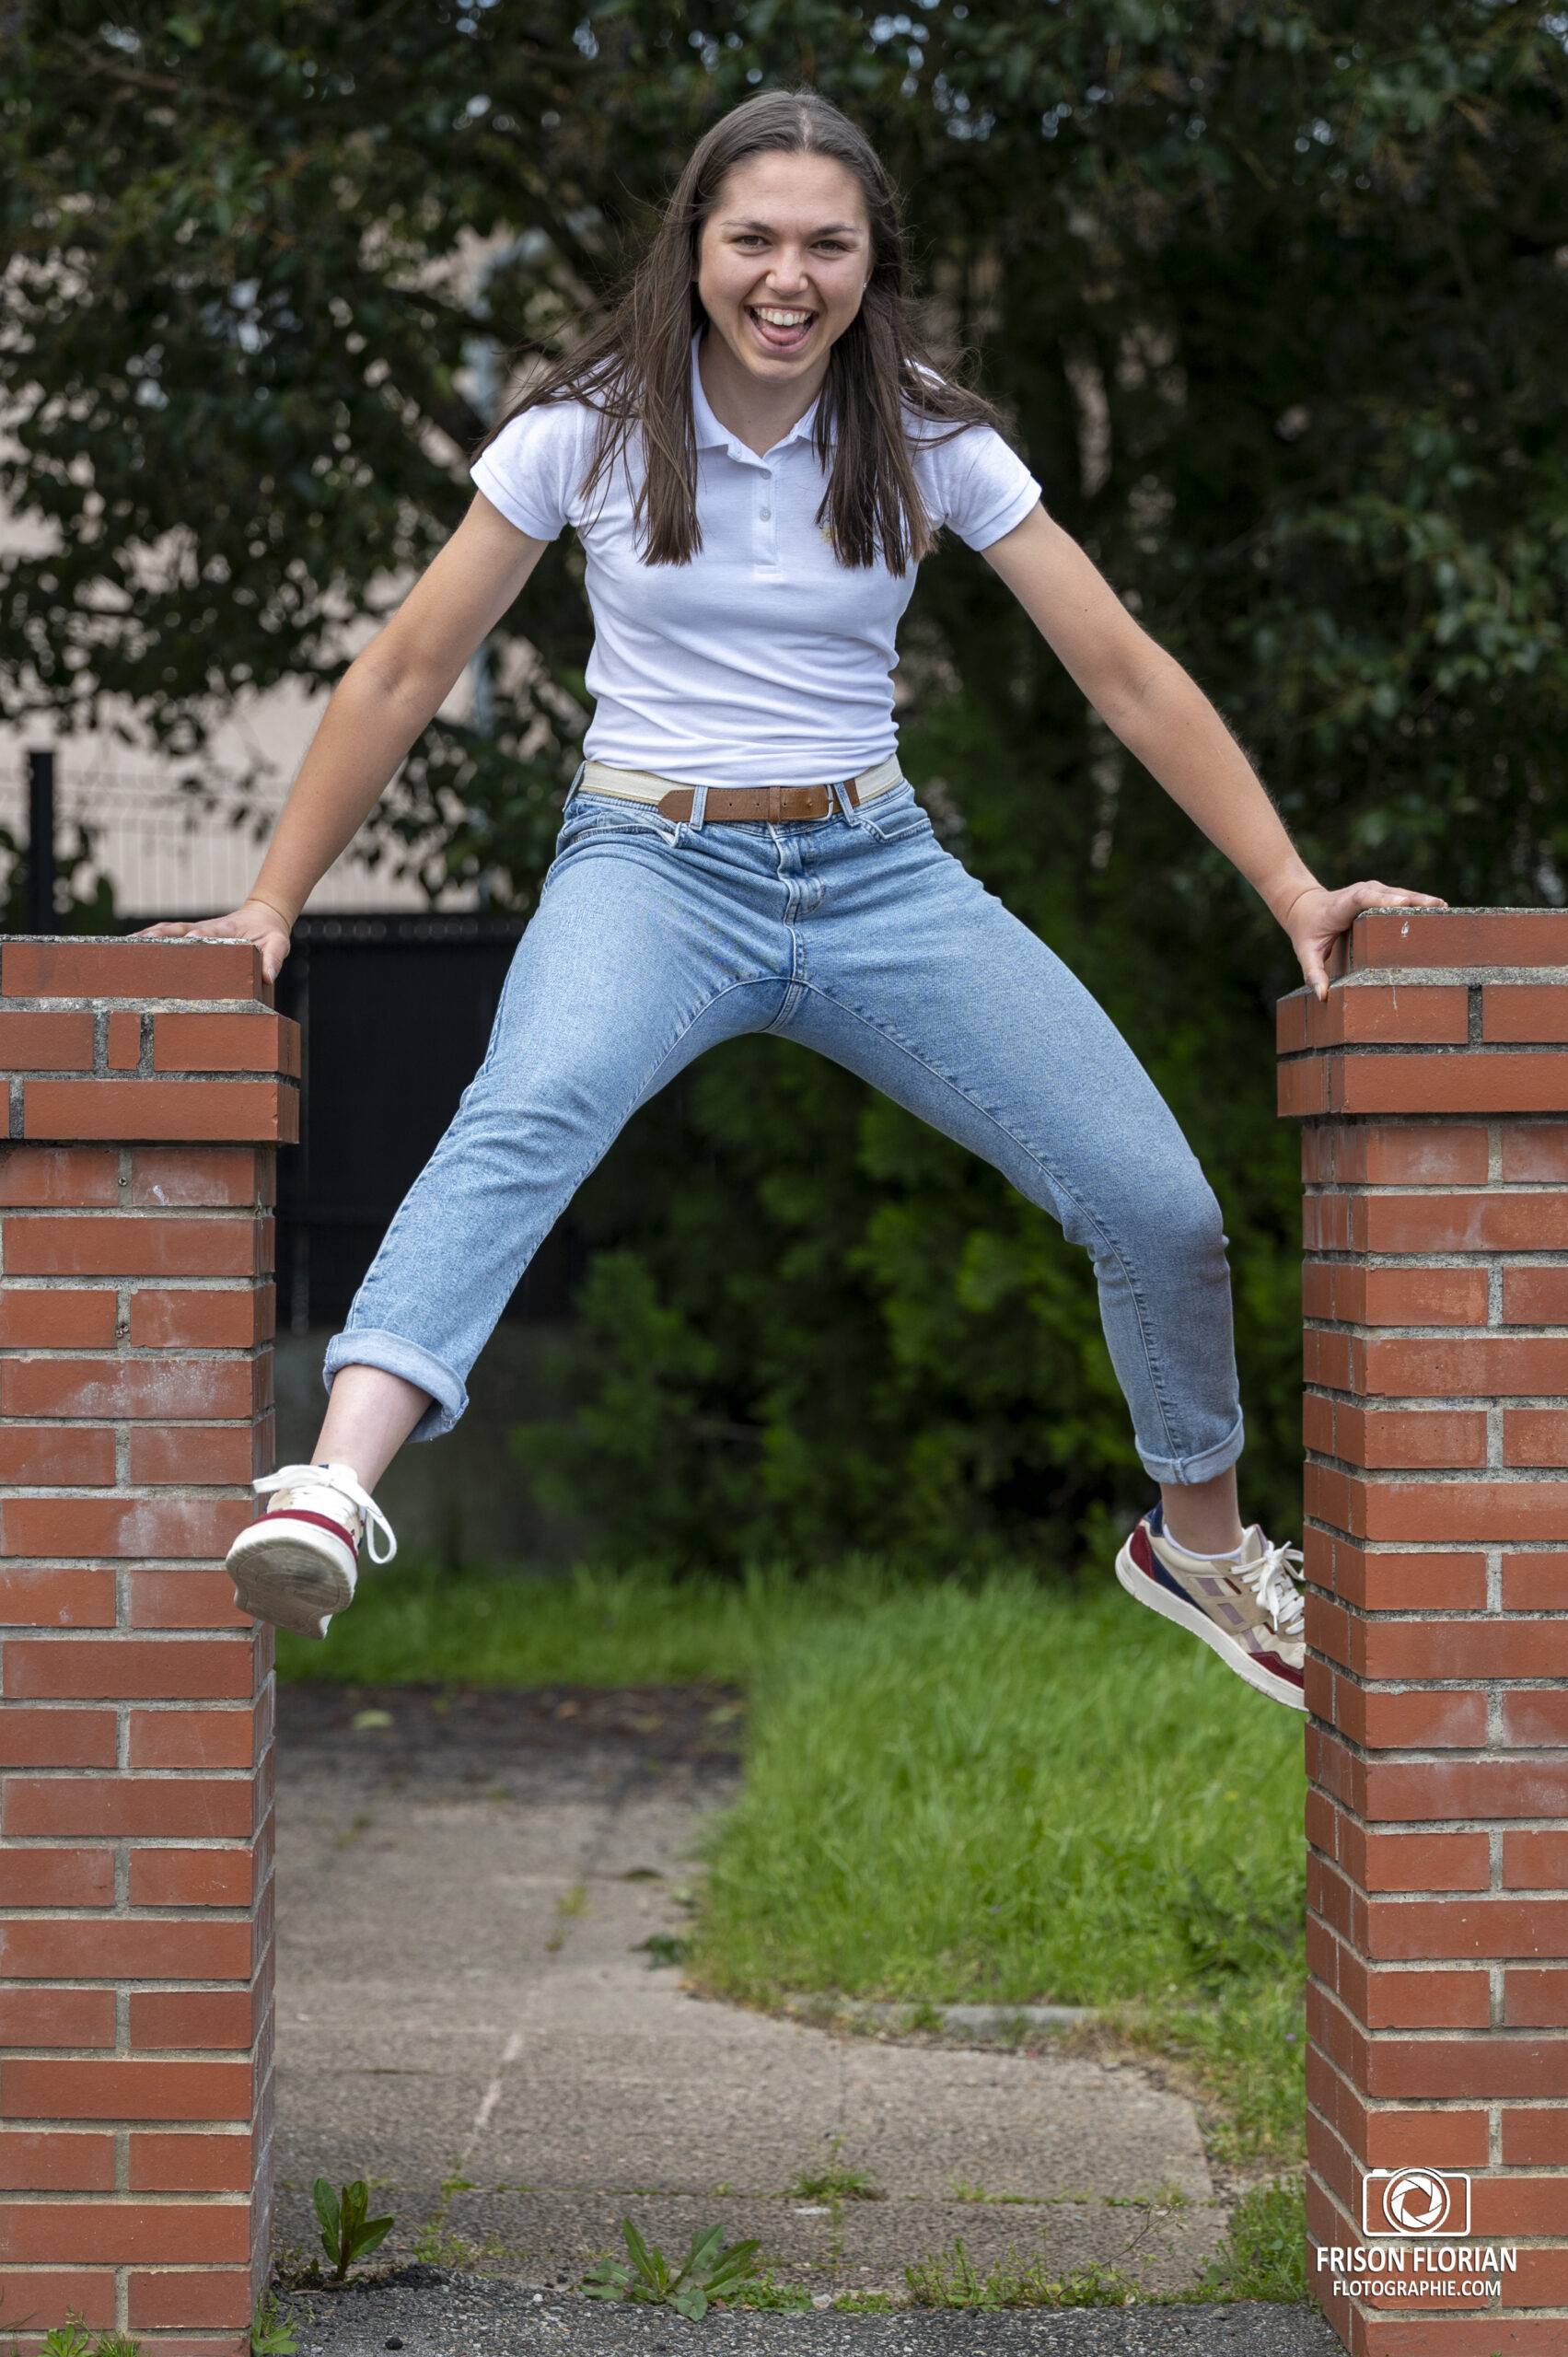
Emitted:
<point x="756" y="453"/>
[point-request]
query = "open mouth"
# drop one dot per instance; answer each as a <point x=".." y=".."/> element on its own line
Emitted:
<point x="780" y="327"/>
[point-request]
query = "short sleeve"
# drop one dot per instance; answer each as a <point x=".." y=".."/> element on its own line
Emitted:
<point x="984" y="487"/>
<point x="530" y="471"/>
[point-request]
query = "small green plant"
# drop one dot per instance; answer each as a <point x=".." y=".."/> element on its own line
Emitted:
<point x="834" y="2183"/>
<point x="708" y="2273"/>
<point x="274" y="2331"/>
<point x="663" y="1947"/>
<point x="67" y="2341"/>
<point x="347" y="2233"/>
<point x="865" y="2304"/>
<point x="954" y="2283"/>
<point x="763" y="2291"/>
<point x="1264" y="2255"/>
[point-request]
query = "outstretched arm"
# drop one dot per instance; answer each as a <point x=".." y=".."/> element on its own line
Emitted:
<point x="1163" y="717"/>
<point x="385" y="700"/>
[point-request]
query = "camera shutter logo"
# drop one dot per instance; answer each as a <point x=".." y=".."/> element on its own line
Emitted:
<point x="1416" y="2202"/>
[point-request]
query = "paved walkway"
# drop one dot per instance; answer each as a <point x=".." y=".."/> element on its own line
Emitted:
<point x="467" y="2016"/>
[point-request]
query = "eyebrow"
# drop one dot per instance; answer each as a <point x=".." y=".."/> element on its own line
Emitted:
<point x="831" y="229"/>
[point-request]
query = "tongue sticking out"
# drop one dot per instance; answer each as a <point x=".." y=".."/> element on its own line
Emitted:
<point x="776" y="338"/>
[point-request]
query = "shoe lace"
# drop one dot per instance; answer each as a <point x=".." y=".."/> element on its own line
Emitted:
<point x="1270" y="1581"/>
<point x="335" y="1477"/>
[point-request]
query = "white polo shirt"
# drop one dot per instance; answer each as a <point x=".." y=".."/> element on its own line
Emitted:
<point x="763" y="661"/>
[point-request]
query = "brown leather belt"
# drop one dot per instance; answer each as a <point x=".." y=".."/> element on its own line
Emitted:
<point x="769" y="804"/>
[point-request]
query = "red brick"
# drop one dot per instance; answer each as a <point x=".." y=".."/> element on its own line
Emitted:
<point x="267" y="1043"/>
<point x="214" y="2296"/>
<point x="1460" y="938"/>
<point x="31" y="1738"/>
<point x="1394" y="1436"/>
<point x="56" y="1599"/>
<point x="125" y="1039"/>
<point x="162" y="1318"/>
<point x="1498" y="1083"/>
<point x="51" y="2298"/>
<point x="1534" y="1436"/>
<point x="1453" y="2067"/>
<point x="1437" y="1013"/>
<point x="137" y="2089"/>
<point x="1388" y="1579"/>
<point x="186" y="1598"/>
<point x="129" y="1668"/>
<point x="111" y="1948"/>
<point x="83" y="1244"/>
<point x="52" y="1318"/>
<point x="1524" y="1011"/>
<point x="124" y="1388"/>
<point x="1535" y="1583"/>
<point x="170" y="2162"/>
<point x="159" y="1807"/>
<point x="56" y="2016"/>
<point x="1534" y="1296"/>
<point x="1464" y="1366"/>
<point x="199" y="2019"/>
<point x="54" y="1177"/>
<point x="1536" y="1717"/>
<point x="46" y="1042"/>
<point x="140" y="969"/>
<point x="1394" y="1154"/>
<point x="1535" y="1861"/>
<point x="187" y="1738"/>
<point x="1536" y="2138"/>
<point x="1428" y="1791"/>
<point x="263" y="1110"/>
<point x="1500" y="1222"/>
<point x="39" y="1454"/>
<point x="1534" y="1152"/>
<point x="1384" y="1297"/>
<point x="1536" y="1999"/>
<point x="1416" y="1928"/>
<point x="191" y="1877"/>
<point x="1411" y="1510"/>
<point x="121" y="2232"/>
<point x="123" y="1526"/>
<point x="57" y="1878"/>
<point x="173" y="1177"/>
<point x="187" y="1456"/>
<point x="1459" y="1648"/>
<point x="47" y="2161"/>
<point x="1416" y="1862"/>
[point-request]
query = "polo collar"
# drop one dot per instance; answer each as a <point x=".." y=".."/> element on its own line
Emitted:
<point x="711" y="435"/>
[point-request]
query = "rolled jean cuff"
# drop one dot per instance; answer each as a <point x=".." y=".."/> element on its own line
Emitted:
<point x="371" y="1346"/>
<point x="1202" y="1468"/>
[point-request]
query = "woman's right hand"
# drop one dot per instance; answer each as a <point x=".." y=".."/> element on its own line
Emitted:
<point x="254" y="920"/>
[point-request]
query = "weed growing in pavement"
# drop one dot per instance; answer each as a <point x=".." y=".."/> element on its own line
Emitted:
<point x="834" y="2183"/>
<point x="709" y="2271"/>
<point x="347" y="2233"/>
<point x="955" y="2282"/>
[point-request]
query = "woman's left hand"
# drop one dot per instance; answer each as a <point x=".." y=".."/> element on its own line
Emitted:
<point x="1317" y="917"/>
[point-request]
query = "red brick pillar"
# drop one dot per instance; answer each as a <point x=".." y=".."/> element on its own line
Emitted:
<point x="149" y="1083"/>
<point x="1432" y="1088"/>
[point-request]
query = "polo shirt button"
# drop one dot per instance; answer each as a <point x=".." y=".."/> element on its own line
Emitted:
<point x="766" y="513"/>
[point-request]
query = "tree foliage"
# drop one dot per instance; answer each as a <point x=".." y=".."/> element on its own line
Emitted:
<point x="1275" y="294"/>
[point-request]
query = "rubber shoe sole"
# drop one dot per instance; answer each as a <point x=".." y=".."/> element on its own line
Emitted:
<point x="288" y="1579"/>
<point x="1138" y="1585"/>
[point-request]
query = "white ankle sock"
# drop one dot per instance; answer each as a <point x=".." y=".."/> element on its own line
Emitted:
<point x="1226" y="1555"/>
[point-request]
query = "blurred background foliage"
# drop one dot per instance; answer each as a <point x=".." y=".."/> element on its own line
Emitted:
<point x="1275" y="296"/>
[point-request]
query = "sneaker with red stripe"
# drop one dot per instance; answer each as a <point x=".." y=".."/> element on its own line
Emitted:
<point x="1248" y="1609"/>
<point x="299" y="1563"/>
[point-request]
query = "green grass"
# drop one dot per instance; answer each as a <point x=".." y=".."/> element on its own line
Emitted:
<point x="978" y="1788"/>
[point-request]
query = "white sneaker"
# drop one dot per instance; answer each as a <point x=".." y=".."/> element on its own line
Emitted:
<point x="298" y="1563"/>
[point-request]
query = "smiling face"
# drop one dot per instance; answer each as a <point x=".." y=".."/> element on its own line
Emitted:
<point x="782" y="262"/>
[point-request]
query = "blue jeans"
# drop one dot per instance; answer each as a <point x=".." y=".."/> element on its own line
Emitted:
<point x="856" y="934"/>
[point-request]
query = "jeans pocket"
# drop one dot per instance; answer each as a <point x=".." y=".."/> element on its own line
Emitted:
<point x="616" y="815"/>
<point x="895" y="815"/>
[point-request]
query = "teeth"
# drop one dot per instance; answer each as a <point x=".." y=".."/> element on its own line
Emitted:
<point x="782" y="318"/>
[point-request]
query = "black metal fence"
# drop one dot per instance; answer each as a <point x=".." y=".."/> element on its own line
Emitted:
<point x="394" y="1015"/>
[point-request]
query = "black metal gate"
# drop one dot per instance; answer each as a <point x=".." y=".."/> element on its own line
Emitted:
<point x="394" y="1015"/>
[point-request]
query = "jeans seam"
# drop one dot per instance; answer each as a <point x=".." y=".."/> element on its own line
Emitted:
<point x="1091" y="1216"/>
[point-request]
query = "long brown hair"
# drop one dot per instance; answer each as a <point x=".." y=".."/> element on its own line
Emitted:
<point x="635" y="365"/>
